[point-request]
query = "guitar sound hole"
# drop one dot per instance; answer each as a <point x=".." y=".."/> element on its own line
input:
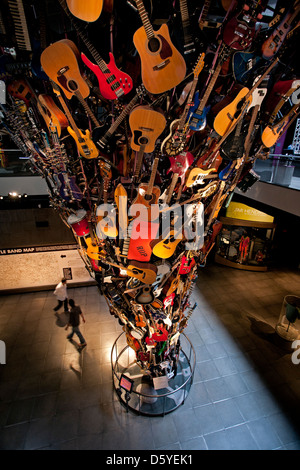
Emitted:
<point x="154" y="45"/>
<point x="72" y="85"/>
<point x="143" y="141"/>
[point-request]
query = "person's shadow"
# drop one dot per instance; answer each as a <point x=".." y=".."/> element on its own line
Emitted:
<point x="62" y="319"/>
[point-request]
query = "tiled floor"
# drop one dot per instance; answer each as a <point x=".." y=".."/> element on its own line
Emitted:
<point x="245" y="393"/>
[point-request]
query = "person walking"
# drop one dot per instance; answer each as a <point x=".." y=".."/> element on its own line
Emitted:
<point x="61" y="294"/>
<point x="74" y="321"/>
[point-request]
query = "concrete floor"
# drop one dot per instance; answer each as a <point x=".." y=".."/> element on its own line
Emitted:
<point x="245" y="393"/>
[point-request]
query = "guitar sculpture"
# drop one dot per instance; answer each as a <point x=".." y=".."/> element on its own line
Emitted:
<point x="163" y="67"/>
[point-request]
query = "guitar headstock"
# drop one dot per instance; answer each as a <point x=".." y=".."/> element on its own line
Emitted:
<point x="141" y="91"/>
<point x="55" y="88"/>
<point x="105" y="170"/>
<point x="199" y="65"/>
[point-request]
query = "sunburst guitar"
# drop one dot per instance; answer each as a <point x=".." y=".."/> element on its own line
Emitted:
<point x="162" y="65"/>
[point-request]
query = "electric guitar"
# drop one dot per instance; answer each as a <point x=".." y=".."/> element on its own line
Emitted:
<point x="179" y="166"/>
<point x="86" y="11"/>
<point x="113" y="83"/>
<point x="162" y="65"/>
<point x="85" y="145"/>
<point x="199" y="110"/>
<point x="189" y="46"/>
<point x="106" y="226"/>
<point x="239" y="30"/>
<point x="104" y="142"/>
<point x="176" y="141"/>
<point x="272" y="44"/>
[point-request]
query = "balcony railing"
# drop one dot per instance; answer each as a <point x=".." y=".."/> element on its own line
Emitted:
<point x="281" y="170"/>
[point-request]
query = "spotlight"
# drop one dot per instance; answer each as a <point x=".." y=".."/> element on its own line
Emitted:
<point x="13" y="194"/>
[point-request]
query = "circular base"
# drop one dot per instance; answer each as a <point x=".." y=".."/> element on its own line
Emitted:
<point x="153" y="396"/>
<point x="288" y="334"/>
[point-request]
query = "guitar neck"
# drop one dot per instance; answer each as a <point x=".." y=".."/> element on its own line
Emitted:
<point x="152" y="177"/>
<point x="187" y="35"/>
<point x="145" y="19"/>
<point x="120" y="118"/>
<point x="67" y="112"/>
<point x="263" y="76"/>
<point x="172" y="187"/>
<point x="87" y="108"/>
<point x="139" y="161"/>
<point x="210" y="87"/>
<point x="100" y="62"/>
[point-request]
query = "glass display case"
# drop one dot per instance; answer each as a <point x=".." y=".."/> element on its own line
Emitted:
<point x="244" y="243"/>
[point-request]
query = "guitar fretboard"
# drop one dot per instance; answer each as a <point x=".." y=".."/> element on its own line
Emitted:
<point x="145" y="19"/>
<point x="21" y="30"/>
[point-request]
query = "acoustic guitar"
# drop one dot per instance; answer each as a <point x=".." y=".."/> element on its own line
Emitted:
<point x="86" y="11"/>
<point x="60" y="63"/>
<point x="52" y="115"/>
<point x="162" y="65"/>
<point x="144" y="272"/>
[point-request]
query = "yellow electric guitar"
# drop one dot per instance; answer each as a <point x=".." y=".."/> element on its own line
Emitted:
<point x="197" y="176"/>
<point x="85" y="145"/>
<point x="162" y="65"/>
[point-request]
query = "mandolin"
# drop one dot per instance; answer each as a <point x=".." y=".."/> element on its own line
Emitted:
<point x="162" y="65"/>
<point x="88" y="11"/>
<point x="113" y="83"/>
<point x="176" y="141"/>
<point x="60" y="63"/>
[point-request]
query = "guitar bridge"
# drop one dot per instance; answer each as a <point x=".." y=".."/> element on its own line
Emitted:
<point x="161" y="65"/>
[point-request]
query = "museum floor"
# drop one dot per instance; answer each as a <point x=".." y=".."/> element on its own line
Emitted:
<point x="245" y="393"/>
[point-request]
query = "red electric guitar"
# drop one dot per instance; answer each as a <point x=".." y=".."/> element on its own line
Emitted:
<point x="113" y="83"/>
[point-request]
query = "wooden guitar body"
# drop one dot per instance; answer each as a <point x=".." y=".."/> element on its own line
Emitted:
<point x="144" y="272"/>
<point x="85" y="145"/>
<point x="60" y="63"/>
<point x="146" y="126"/>
<point x="166" y="247"/>
<point x="51" y="113"/>
<point x="112" y="80"/>
<point x="162" y="65"/>
<point x="145" y="200"/>
<point x="229" y="114"/>
<point x="88" y="11"/>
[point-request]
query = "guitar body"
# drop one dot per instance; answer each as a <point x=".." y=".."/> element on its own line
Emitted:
<point x="85" y="145"/>
<point x="19" y="89"/>
<point x="145" y="296"/>
<point x="166" y="248"/>
<point x="180" y="164"/>
<point x="146" y="126"/>
<point x="237" y="34"/>
<point x="144" y="272"/>
<point x="245" y="65"/>
<point x="113" y="81"/>
<point x="60" y="63"/>
<point x="175" y="142"/>
<point x="51" y="113"/>
<point x="88" y="11"/>
<point x="196" y="118"/>
<point x="162" y="66"/>
<point x="270" y="135"/>
<point x="197" y="175"/>
<point x="228" y="115"/>
<point x="272" y="44"/>
<point x="147" y="201"/>
<point x="139" y="248"/>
